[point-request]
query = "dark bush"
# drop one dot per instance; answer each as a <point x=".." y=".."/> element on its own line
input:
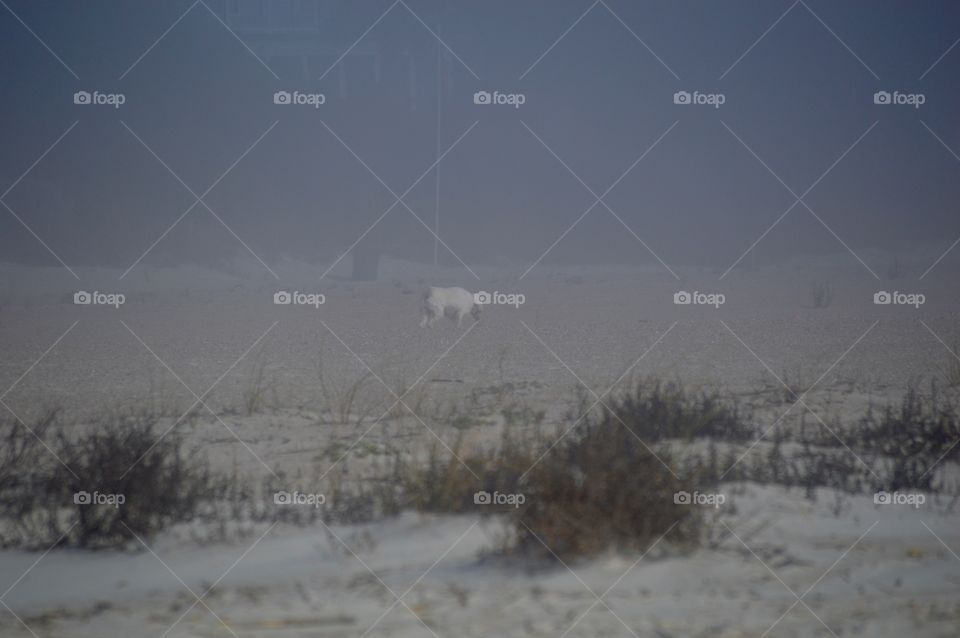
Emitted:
<point x="160" y="481"/>
<point x="602" y="488"/>
<point x="920" y="427"/>
<point x="25" y="466"/>
<point x="655" y="410"/>
<point x="113" y="479"/>
<point x="597" y="487"/>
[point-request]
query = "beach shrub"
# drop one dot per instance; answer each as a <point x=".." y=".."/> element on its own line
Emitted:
<point x="100" y="485"/>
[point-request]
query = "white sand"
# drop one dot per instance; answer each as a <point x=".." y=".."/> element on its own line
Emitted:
<point x="898" y="580"/>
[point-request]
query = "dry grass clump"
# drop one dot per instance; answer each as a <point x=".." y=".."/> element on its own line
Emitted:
<point x="596" y="487"/>
<point x="910" y="439"/>
<point x="602" y="488"/>
<point x="899" y="446"/>
<point x="145" y="482"/>
<point x="447" y="483"/>
<point x="341" y="398"/>
<point x="259" y="384"/>
<point x="22" y="459"/>
<point x="655" y="410"/>
<point x="605" y="478"/>
<point x="952" y="372"/>
<point x="609" y="481"/>
<point x="920" y="426"/>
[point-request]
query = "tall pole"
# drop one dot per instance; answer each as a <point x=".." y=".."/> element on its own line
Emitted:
<point x="436" y="209"/>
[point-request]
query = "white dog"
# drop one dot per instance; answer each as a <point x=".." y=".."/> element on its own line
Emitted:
<point x="453" y="303"/>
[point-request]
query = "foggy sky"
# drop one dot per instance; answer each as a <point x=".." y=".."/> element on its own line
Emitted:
<point x="799" y="98"/>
